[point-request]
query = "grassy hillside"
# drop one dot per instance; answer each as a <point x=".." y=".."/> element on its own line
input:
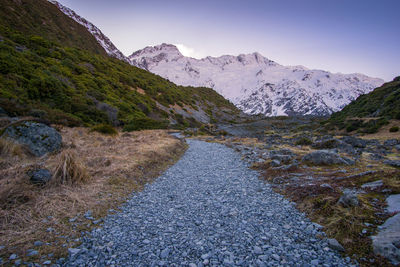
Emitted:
<point x="74" y="85"/>
<point x="371" y="111"/>
<point x="39" y="17"/>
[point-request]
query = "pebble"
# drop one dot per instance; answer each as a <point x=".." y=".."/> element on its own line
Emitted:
<point x="211" y="209"/>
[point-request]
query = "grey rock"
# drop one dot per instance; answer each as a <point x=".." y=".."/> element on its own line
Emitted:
<point x="73" y="252"/>
<point x="384" y="242"/>
<point x="38" y="137"/>
<point x="38" y="243"/>
<point x="334" y="244"/>
<point x="40" y="176"/>
<point x="282" y="158"/>
<point x="32" y="252"/>
<point x="372" y="185"/>
<point x="393" y="163"/>
<point x="164" y="253"/>
<point x="397" y="147"/>
<point x="257" y="250"/>
<point x="275" y="163"/>
<point x="393" y="202"/>
<point x="348" y="199"/>
<point x="325" y="185"/>
<point x="48" y="262"/>
<point x="354" y="141"/>
<point x="276" y="257"/>
<point x="326" y="157"/>
<point x="391" y="143"/>
<point x="13" y="257"/>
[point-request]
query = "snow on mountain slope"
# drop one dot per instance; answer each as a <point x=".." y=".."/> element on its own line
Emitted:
<point x="256" y="84"/>
<point x="103" y="40"/>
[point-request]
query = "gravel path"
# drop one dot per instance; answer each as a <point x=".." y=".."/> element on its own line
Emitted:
<point x="208" y="209"/>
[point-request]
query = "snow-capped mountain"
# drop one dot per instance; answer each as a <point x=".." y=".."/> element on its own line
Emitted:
<point x="256" y="84"/>
<point x="103" y="40"/>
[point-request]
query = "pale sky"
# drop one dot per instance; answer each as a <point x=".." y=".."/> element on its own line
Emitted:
<point x="344" y="36"/>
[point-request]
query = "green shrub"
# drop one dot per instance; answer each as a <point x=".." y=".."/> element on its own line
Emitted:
<point x="145" y="124"/>
<point x="105" y="129"/>
<point x="394" y="129"/>
<point x="304" y="141"/>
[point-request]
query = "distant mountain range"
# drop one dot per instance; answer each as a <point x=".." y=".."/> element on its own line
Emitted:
<point x="256" y="84"/>
<point x="252" y="82"/>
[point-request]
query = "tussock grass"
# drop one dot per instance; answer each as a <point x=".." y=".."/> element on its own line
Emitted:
<point x="69" y="170"/>
<point x="10" y="148"/>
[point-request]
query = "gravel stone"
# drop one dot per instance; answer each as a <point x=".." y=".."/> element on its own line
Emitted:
<point x="209" y="209"/>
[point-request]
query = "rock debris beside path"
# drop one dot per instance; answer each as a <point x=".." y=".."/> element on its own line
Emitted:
<point x="209" y="209"/>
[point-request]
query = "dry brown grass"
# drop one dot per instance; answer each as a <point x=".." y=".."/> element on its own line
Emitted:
<point x="10" y="148"/>
<point x="69" y="170"/>
<point x="93" y="172"/>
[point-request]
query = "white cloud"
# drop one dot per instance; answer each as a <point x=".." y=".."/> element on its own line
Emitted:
<point x="188" y="51"/>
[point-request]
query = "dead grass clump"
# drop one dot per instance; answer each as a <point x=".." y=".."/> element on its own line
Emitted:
<point x="69" y="170"/>
<point x="17" y="194"/>
<point x="10" y="148"/>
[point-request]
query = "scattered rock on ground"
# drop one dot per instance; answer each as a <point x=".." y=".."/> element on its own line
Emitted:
<point x="209" y="208"/>
<point x="349" y="198"/>
<point x="326" y="157"/>
<point x="372" y="185"/>
<point x="391" y="143"/>
<point x="38" y="137"/>
<point x="354" y="141"/>
<point x="393" y="163"/>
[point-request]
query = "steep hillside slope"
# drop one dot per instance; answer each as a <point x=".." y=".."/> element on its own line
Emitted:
<point x="371" y="111"/>
<point x="103" y="40"/>
<point x="41" y="17"/>
<point x="74" y="86"/>
<point x="256" y="84"/>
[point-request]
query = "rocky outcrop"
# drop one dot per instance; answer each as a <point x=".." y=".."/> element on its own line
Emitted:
<point x="326" y="157"/>
<point x="39" y="138"/>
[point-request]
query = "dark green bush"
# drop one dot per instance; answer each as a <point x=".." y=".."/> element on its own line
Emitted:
<point x="105" y="129"/>
<point x="303" y="141"/>
<point x="145" y="124"/>
<point x="394" y="129"/>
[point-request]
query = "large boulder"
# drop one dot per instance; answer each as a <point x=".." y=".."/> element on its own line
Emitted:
<point x="354" y="141"/>
<point x="326" y="157"/>
<point x="386" y="242"/>
<point x="39" y="138"/>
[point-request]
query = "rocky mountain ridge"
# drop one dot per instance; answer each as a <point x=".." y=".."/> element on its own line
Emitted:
<point x="103" y="40"/>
